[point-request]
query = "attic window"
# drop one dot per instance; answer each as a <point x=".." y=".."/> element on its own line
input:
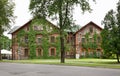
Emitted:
<point x="38" y="28"/>
<point x="35" y="28"/>
<point x="27" y="28"/>
<point x="91" y="29"/>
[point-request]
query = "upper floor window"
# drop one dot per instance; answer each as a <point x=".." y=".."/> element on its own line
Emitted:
<point x="83" y="40"/>
<point x="35" y="28"/>
<point x="39" y="40"/>
<point x="27" y="28"/>
<point x="98" y="39"/>
<point x="79" y="39"/>
<point x="38" y="28"/>
<point x="52" y="39"/>
<point x="90" y="39"/>
<point x="26" y="39"/>
<point x="91" y="29"/>
<point x="49" y="29"/>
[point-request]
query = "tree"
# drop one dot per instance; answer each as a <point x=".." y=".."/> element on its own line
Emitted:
<point x="60" y="10"/>
<point x="6" y="42"/>
<point x="6" y="17"/>
<point x="111" y="32"/>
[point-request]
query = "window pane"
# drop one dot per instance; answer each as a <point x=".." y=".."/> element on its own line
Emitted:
<point x="52" y="39"/>
<point x="91" y="29"/>
<point x="39" y="40"/>
<point x="52" y="52"/>
<point x="39" y="52"/>
<point x="83" y="40"/>
<point x="35" y="28"/>
<point x="26" y="39"/>
<point x="26" y="52"/>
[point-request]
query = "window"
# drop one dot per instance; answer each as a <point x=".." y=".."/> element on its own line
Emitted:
<point x="35" y="28"/>
<point x="26" y="39"/>
<point x="98" y="39"/>
<point x="79" y="39"/>
<point x="38" y="28"/>
<point x="52" y="52"/>
<point x="83" y="53"/>
<point x="52" y="39"/>
<point x="83" y="40"/>
<point x="40" y="52"/>
<point x="91" y="29"/>
<point x="90" y="39"/>
<point x="26" y="52"/>
<point x="39" y="40"/>
<point x="27" y="28"/>
<point x="98" y="52"/>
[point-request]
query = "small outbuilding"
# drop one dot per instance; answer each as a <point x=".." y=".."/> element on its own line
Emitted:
<point x="6" y="54"/>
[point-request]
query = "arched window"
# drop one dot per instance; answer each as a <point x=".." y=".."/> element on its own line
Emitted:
<point x="52" y="39"/>
<point x="52" y="51"/>
<point x="26" y="52"/>
<point x="39" y="52"/>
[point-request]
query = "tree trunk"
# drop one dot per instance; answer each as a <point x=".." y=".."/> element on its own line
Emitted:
<point x="118" y="58"/>
<point x="62" y="50"/>
<point x="61" y="32"/>
<point x="0" y="49"/>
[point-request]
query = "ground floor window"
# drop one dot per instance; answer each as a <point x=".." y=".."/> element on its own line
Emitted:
<point x="52" y="52"/>
<point x="39" y="52"/>
<point x="26" y="52"/>
<point x="98" y="53"/>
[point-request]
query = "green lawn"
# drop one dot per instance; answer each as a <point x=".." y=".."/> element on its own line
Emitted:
<point x="102" y="63"/>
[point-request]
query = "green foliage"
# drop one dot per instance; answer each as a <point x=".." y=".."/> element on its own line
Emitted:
<point x="6" y="17"/>
<point x="31" y="34"/>
<point x="90" y="44"/>
<point x="6" y="14"/>
<point x="5" y="42"/>
<point x="111" y="33"/>
<point x="60" y="10"/>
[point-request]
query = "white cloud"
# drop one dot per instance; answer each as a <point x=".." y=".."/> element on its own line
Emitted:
<point x="99" y="10"/>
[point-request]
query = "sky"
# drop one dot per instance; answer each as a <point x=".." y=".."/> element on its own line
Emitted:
<point x="100" y="8"/>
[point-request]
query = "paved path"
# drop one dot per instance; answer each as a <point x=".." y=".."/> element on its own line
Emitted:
<point x="14" y="69"/>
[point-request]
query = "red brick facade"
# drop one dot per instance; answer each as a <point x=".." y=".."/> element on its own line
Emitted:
<point x="91" y="28"/>
<point x="74" y="39"/>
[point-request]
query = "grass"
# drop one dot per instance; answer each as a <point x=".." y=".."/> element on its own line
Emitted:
<point x="101" y="63"/>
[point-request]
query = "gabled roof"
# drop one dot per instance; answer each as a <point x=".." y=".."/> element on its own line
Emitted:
<point x="13" y="29"/>
<point x="90" y="23"/>
<point x="17" y="28"/>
